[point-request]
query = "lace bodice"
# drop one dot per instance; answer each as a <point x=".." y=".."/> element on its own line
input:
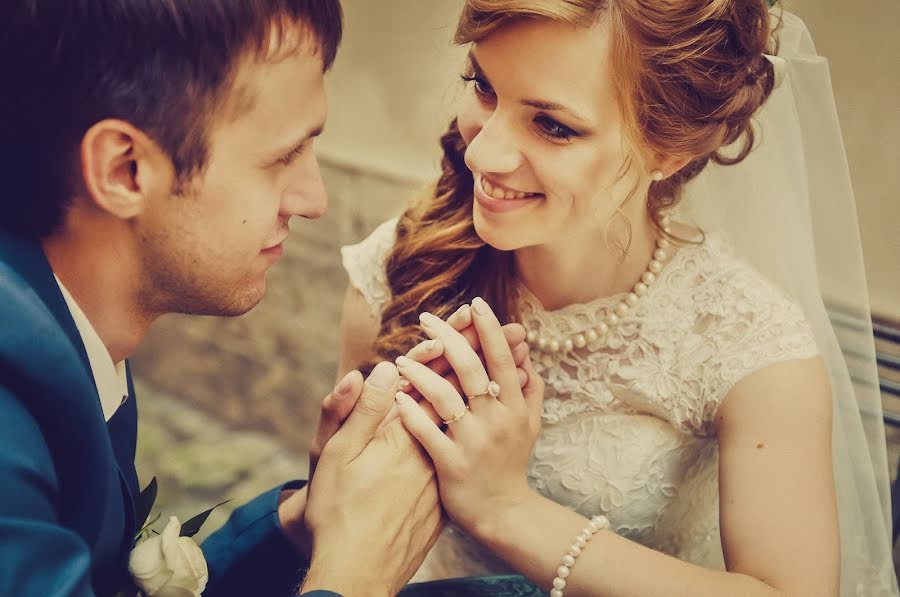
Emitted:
<point x="628" y="421"/>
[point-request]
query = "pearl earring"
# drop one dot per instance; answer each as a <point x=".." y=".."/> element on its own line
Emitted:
<point x="657" y="175"/>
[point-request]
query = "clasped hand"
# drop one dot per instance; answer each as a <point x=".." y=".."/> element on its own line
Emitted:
<point x="482" y="455"/>
<point x="373" y="510"/>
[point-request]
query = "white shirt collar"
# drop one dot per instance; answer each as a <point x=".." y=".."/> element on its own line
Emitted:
<point x="109" y="377"/>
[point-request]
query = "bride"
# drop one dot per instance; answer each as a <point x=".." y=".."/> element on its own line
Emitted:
<point x="688" y="425"/>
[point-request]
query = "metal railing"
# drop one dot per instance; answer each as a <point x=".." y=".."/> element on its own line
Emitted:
<point x="886" y="356"/>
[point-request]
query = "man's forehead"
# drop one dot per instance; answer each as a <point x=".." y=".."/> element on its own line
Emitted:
<point x="286" y="38"/>
<point x="249" y="77"/>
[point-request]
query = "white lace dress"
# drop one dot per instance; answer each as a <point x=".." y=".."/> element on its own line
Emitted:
<point x="628" y="424"/>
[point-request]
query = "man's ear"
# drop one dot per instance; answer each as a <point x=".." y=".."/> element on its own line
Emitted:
<point x="122" y="168"/>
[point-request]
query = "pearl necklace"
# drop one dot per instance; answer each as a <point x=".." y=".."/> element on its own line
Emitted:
<point x="612" y="318"/>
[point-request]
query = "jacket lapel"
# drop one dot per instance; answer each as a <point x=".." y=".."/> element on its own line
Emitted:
<point x="123" y="433"/>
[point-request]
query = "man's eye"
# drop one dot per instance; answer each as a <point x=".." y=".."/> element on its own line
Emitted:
<point x="288" y="158"/>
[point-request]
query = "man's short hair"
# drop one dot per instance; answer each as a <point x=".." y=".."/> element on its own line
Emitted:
<point x="165" y="66"/>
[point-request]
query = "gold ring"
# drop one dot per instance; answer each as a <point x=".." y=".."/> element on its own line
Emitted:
<point x="492" y="391"/>
<point x="458" y="416"/>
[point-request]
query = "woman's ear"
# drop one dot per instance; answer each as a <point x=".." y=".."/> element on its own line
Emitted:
<point x="663" y="169"/>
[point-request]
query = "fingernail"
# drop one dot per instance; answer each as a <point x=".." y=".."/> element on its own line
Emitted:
<point x="480" y="306"/>
<point x="404" y="383"/>
<point x="463" y="309"/>
<point x="432" y="345"/>
<point x="523" y="377"/>
<point x="427" y="319"/>
<point x="344" y="385"/>
<point x="403" y="361"/>
<point x="401" y="397"/>
<point x="383" y="376"/>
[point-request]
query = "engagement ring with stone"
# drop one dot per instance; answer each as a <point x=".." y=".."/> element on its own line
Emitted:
<point x="492" y="391"/>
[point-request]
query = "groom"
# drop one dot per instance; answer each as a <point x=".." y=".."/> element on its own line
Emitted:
<point x="153" y="153"/>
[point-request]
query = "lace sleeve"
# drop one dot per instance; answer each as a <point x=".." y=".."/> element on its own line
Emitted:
<point x="754" y="327"/>
<point x="365" y="265"/>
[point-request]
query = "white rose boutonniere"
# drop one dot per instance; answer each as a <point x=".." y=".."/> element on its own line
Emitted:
<point x="167" y="564"/>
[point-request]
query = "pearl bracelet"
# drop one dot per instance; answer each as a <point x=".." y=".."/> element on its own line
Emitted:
<point x="568" y="560"/>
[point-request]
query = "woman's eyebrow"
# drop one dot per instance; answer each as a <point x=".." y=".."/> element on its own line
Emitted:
<point x="534" y="103"/>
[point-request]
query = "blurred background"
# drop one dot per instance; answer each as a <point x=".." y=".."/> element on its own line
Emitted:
<point x="228" y="405"/>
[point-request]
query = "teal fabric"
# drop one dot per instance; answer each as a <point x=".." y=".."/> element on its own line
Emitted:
<point x="475" y="586"/>
<point x="250" y="555"/>
<point x="67" y="477"/>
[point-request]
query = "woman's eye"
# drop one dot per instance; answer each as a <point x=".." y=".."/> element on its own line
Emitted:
<point x="482" y="87"/>
<point x="554" y="130"/>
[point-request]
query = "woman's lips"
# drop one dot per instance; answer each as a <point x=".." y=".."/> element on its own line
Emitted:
<point x="497" y="201"/>
<point x="498" y="191"/>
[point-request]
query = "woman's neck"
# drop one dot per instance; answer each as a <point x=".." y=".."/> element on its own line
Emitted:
<point x="583" y="267"/>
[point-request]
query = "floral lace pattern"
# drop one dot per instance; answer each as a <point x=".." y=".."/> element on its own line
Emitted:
<point x="365" y="265"/>
<point x="628" y="421"/>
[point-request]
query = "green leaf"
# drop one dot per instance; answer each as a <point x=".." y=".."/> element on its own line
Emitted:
<point x="145" y="529"/>
<point x="192" y="526"/>
<point x="145" y="502"/>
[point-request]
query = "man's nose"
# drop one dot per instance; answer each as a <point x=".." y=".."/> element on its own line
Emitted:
<point x="307" y="198"/>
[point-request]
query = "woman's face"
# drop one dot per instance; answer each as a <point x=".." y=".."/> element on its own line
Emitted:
<point x="544" y="134"/>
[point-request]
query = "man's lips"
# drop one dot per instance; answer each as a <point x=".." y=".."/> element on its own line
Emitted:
<point x="277" y="243"/>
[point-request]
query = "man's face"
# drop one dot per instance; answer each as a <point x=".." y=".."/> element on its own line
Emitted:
<point x="207" y="249"/>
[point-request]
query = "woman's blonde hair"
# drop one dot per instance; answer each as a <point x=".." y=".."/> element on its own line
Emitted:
<point x="689" y="75"/>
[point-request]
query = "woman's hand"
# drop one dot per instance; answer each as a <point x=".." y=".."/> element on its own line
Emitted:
<point x="338" y="404"/>
<point x="481" y="461"/>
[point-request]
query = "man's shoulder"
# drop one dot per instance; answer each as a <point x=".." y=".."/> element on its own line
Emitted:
<point x="28" y="330"/>
<point x="20" y="303"/>
<point x="39" y="364"/>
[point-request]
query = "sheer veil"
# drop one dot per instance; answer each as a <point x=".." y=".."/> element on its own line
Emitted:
<point x="789" y="209"/>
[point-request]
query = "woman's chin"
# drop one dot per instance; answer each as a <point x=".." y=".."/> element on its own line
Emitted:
<point x="503" y="237"/>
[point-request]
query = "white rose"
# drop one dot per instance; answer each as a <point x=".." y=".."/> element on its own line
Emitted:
<point x="167" y="565"/>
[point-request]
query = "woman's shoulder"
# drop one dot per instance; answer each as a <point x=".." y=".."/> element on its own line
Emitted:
<point x="724" y="287"/>
<point x="721" y="319"/>
<point x="365" y="262"/>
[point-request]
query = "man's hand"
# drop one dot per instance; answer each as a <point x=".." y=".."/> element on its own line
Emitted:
<point x="336" y="407"/>
<point x="373" y="507"/>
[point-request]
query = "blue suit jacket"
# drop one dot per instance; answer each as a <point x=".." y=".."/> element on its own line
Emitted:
<point x="67" y="477"/>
